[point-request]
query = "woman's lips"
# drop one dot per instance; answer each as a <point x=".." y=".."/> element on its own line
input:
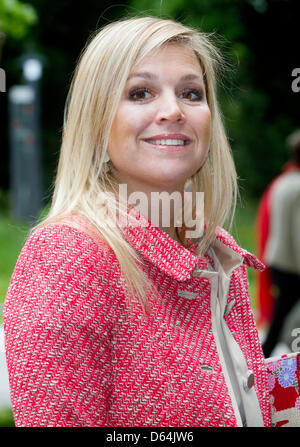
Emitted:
<point x="169" y="142"/>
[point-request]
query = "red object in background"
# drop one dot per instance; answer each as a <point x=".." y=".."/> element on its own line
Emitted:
<point x="265" y="297"/>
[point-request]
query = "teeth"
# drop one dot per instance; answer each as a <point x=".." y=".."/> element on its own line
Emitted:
<point x="168" y="142"/>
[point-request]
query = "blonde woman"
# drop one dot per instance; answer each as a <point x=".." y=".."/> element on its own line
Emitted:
<point x="117" y="317"/>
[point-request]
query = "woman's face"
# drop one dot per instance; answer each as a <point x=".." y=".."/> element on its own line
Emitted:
<point x="161" y="132"/>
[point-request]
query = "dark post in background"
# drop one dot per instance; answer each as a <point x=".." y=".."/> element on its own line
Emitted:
<point x="25" y="147"/>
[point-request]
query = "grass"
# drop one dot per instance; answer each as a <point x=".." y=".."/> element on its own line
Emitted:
<point x="244" y="233"/>
<point x="6" y="417"/>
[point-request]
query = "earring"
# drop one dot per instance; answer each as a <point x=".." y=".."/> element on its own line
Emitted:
<point x="106" y="162"/>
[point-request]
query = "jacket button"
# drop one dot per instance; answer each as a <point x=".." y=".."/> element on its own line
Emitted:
<point x="248" y="380"/>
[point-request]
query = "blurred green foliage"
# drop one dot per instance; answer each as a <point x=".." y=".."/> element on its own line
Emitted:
<point x="16" y="17"/>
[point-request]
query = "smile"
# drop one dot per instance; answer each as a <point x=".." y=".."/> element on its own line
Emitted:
<point x="168" y="142"/>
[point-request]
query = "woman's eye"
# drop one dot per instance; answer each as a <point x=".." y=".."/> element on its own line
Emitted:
<point x="191" y="94"/>
<point x="139" y="94"/>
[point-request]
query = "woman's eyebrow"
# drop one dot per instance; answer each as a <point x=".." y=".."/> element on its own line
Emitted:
<point x="151" y="76"/>
<point x="191" y="77"/>
<point x="144" y="75"/>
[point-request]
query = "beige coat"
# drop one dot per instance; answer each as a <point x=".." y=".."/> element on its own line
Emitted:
<point x="283" y="246"/>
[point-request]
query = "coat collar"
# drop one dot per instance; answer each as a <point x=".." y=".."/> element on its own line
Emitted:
<point x="169" y="256"/>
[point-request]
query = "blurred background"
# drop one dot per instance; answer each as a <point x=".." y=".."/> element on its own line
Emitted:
<point x="40" y="42"/>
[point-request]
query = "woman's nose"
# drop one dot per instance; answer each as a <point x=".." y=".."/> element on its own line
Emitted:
<point x="169" y="109"/>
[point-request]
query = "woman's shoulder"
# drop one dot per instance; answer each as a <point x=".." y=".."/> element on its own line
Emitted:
<point x="74" y="232"/>
<point x="68" y="244"/>
<point x="60" y="259"/>
<point x="62" y="274"/>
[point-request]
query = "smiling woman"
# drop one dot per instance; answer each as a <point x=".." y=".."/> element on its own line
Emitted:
<point x="132" y="323"/>
<point x="161" y="132"/>
<point x="160" y="135"/>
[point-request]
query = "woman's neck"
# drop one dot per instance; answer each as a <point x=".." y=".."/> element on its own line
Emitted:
<point x="162" y="208"/>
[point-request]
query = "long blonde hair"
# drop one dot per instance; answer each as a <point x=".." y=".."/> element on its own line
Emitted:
<point x="92" y="102"/>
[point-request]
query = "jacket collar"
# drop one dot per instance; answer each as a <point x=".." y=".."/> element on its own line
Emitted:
<point x="169" y="256"/>
<point x="228" y="241"/>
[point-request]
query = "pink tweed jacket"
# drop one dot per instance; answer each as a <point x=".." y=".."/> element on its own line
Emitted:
<point x="77" y="355"/>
